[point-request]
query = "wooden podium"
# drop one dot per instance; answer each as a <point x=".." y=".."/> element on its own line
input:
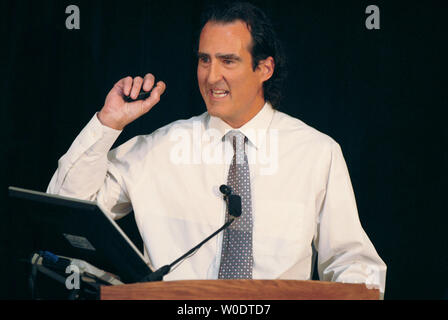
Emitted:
<point x="239" y="290"/>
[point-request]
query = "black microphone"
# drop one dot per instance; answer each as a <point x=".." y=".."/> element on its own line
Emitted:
<point x="234" y="209"/>
<point x="225" y="190"/>
<point x="233" y="200"/>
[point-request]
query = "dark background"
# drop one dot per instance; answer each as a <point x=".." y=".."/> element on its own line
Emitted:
<point x="381" y="94"/>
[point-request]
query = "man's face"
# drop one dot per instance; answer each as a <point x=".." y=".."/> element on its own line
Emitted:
<point x="230" y="87"/>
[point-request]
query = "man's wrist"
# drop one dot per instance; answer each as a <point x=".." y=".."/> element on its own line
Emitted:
<point x="106" y="121"/>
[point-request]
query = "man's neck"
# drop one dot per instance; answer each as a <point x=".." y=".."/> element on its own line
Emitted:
<point x="242" y="120"/>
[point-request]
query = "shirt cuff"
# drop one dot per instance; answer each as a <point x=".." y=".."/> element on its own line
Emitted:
<point x="98" y="138"/>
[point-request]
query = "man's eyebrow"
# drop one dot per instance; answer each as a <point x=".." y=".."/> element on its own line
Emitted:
<point x="202" y="55"/>
<point x="227" y="56"/>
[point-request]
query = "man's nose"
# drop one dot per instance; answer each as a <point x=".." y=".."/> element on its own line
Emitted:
<point x="214" y="73"/>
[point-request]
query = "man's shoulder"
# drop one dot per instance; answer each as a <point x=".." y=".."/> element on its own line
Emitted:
<point x="181" y="124"/>
<point x="142" y="144"/>
<point x="298" y="131"/>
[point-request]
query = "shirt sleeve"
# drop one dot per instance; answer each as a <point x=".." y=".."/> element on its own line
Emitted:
<point x="85" y="172"/>
<point x="345" y="253"/>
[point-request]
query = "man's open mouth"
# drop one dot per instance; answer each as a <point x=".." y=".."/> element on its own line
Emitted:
<point x="218" y="93"/>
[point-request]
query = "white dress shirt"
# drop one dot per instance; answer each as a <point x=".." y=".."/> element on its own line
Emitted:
<point x="302" y="198"/>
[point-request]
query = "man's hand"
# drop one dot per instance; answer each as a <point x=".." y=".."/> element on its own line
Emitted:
<point x="117" y="113"/>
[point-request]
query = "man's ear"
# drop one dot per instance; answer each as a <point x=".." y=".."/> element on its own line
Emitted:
<point x="266" y="68"/>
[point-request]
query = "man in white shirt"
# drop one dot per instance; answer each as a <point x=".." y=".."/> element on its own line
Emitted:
<point x="302" y="202"/>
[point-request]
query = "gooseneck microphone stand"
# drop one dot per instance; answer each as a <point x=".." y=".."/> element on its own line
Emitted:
<point x="234" y="208"/>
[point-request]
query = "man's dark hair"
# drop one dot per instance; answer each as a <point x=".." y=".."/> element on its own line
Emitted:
<point x="265" y="42"/>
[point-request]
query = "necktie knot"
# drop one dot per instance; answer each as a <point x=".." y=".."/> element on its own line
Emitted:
<point x="238" y="140"/>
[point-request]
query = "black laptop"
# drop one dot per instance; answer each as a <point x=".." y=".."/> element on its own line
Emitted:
<point x="78" y="229"/>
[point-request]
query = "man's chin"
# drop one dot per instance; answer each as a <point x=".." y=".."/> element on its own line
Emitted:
<point x="215" y="110"/>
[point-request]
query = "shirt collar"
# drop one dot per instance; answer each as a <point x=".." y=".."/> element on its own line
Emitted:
<point x="255" y="129"/>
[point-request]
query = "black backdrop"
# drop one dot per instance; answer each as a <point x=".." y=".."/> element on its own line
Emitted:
<point x="380" y="93"/>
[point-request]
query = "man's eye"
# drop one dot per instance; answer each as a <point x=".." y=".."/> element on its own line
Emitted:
<point x="203" y="59"/>
<point x="228" y="62"/>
